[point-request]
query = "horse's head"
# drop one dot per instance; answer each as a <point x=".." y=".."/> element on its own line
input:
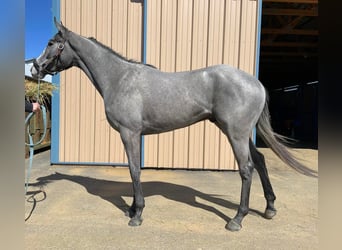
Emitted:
<point x="57" y="55"/>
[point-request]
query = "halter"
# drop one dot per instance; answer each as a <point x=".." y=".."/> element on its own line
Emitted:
<point x="51" y="60"/>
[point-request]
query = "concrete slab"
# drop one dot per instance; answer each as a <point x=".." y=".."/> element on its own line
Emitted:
<point x="82" y="207"/>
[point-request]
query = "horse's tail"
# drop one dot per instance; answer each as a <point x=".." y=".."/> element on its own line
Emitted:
<point x="275" y="142"/>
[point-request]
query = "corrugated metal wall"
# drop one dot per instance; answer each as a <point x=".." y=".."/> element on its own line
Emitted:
<point x="85" y="135"/>
<point x="181" y="35"/>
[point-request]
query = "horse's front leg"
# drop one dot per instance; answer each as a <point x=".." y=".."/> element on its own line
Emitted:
<point x="131" y="141"/>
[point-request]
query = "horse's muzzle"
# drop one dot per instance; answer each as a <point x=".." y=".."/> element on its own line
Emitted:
<point x="35" y="71"/>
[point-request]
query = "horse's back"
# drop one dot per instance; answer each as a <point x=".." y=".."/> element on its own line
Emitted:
<point x="219" y="85"/>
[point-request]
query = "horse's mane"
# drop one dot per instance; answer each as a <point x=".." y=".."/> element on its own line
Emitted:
<point x="110" y="50"/>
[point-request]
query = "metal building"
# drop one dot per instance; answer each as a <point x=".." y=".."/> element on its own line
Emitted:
<point x="173" y="35"/>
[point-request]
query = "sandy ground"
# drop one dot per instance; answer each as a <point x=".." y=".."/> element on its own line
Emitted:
<point x="78" y="207"/>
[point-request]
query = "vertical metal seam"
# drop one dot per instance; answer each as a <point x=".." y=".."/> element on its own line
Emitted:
<point x="127" y="26"/>
<point x="240" y="31"/>
<point x="191" y="65"/>
<point x="208" y="27"/>
<point x="160" y="61"/>
<point x="224" y="31"/>
<point x="79" y="100"/>
<point x="55" y="119"/>
<point x="94" y="156"/>
<point x="175" y="69"/>
<point x="111" y="46"/>
<point x="258" y="38"/>
<point x="206" y="65"/>
<point x="65" y="92"/>
<point x="257" y="50"/>
<point x="142" y="141"/>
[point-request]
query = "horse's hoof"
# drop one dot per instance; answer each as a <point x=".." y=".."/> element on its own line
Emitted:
<point x="233" y="226"/>
<point x="134" y="222"/>
<point x="270" y="213"/>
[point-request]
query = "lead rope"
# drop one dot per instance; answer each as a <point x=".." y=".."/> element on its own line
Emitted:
<point x="31" y="145"/>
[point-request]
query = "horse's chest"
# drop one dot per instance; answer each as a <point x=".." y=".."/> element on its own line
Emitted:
<point x="123" y="112"/>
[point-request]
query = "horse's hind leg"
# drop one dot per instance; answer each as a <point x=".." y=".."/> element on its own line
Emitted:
<point x="259" y="163"/>
<point x="241" y="152"/>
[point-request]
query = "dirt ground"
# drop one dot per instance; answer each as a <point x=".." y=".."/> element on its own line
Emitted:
<point x="82" y="207"/>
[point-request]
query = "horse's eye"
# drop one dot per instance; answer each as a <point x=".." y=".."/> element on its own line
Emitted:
<point x="50" y="43"/>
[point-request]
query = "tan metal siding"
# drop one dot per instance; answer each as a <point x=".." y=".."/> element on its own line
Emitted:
<point x="181" y="35"/>
<point x="88" y="92"/>
<point x="119" y="43"/>
<point x="248" y="35"/>
<point x="212" y="135"/>
<point x="198" y="60"/>
<point x="85" y="135"/>
<point x="70" y="119"/>
<point x="204" y="33"/>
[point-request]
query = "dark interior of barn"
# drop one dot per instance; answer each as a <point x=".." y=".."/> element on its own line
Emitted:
<point x="288" y="67"/>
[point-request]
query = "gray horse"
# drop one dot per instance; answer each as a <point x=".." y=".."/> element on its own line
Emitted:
<point x="141" y="100"/>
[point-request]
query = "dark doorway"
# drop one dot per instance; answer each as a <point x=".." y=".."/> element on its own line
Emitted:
<point x="289" y="67"/>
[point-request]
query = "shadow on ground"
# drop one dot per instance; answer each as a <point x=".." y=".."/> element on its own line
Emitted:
<point x="113" y="191"/>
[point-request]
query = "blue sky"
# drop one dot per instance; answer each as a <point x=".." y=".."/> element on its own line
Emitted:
<point x="38" y="26"/>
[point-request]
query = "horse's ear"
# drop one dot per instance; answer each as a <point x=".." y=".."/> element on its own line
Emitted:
<point x="59" y="26"/>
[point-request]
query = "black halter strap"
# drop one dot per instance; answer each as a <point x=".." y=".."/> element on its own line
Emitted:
<point x="51" y="60"/>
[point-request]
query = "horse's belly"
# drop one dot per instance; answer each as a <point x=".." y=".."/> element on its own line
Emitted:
<point x="171" y="119"/>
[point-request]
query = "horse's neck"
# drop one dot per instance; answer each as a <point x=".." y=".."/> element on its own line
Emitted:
<point x="95" y="62"/>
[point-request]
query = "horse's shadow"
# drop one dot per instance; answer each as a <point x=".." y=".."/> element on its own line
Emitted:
<point x="113" y="191"/>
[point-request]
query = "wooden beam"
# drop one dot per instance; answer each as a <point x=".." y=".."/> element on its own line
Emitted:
<point x="289" y="44"/>
<point x="269" y="62"/>
<point x="289" y="31"/>
<point x="291" y="1"/>
<point x="289" y="12"/>
<point x="288" y="54"/>
<point x="294" y="22"/>
<point x="286" y="26"/>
